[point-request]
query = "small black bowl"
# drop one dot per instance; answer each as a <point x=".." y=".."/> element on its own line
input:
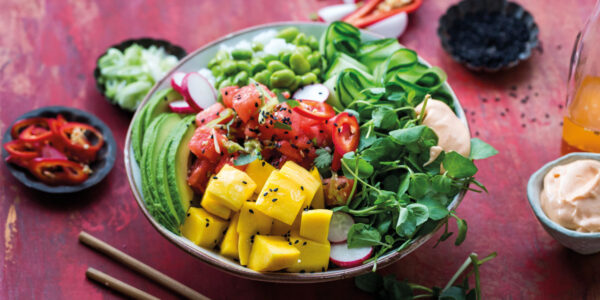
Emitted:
<point x="469" y="8"/>
<point x="145" y="42"/>
<point x="101" y="167"/>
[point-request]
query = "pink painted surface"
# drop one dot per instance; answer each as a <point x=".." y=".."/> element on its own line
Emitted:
<point x="48" y="51"/>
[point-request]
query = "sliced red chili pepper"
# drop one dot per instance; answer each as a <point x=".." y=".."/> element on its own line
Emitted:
<point x="36" y="134"/>
<point x="54" y="171"/>
<point x="346" y="133"/>
<point x="336" y="161"/>
<point x="22" y="124"/>
<point x="369" y="14"/>
<point x="314" y="109"/>
<point x="21" y="149"/>
<point x="81" y="141"/>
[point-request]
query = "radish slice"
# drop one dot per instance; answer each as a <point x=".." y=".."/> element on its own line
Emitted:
<point x="198" y="92"/>
<point x="339" y="226"/>
<point x="181" y="107"/>
<point x="336" y="12"/>
<point x="345" y="257"/>
<point x="350" y="1"/>
<point x="315" y="92"/>
<point x="391" y="27"/>
<point x="177" y="80"/>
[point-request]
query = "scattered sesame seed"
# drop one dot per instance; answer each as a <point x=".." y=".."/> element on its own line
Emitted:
<point x="244" y="182"/>
<point x="251" y="211"/>
<point x="215" y="177"/>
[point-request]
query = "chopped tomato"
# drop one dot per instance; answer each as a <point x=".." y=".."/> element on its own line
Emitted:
<point x="337" y="189"/>
<point x="289" y="150"/>
<point x="315" y="110"/>
<point x="203" y="144"/>
<point x="227" y="94"/>
<point x="229" y="160"/>
<point x="246" y="102"/>
<point x="199" y="175"/>
<point x="346" y="133"/>
<point x="251" y="129"/>
<point x="209" y="114"/>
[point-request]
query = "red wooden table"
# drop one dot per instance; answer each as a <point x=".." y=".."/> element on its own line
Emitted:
<point x="48" y="51"/>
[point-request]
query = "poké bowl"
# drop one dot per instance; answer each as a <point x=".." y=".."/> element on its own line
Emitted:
<point x="199" y="59"/>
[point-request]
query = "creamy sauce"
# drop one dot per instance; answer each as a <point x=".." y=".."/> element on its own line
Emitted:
<point x="453" y="134"/>
<point x="571" y="195"/>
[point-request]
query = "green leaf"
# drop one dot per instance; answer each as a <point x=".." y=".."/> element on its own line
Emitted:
<point x="458" y="166"/>
<point x="407" y="136"/>
<point x="352" y="163"/>
<point x="481" y="149"/>
<point x="404" y="184"/>
<point x="280" y="125"/>
<point x="453" y="293"/>
<point x="363" y="235"/>
<point x="323" y="160"/>
<point x="419" y="212"/>
<point x="385" y="118"/>
<point x="419" y="185"/>
<point x="370" y="282"/>
<point x="442" y="184"/>
<point x="437" y="210"/>
<point x="244" y="159"/>
<point x="383" y="149"/>
<point x="396" y="289"/>
<point x="366" y="141"/>
<point x="462" y="230"/>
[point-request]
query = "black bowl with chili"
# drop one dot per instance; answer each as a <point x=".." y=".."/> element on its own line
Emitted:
<point x="100" y="161"/>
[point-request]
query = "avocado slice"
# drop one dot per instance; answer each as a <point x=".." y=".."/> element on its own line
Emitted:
<point x="159" y="103"/>
<point x="178" y="155"/>
<point x="156" y="135"/>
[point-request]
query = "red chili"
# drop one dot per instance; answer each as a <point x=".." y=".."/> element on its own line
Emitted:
<point x="36" y="134"/>
<point x="20" y="152"/>
<point x="369" y="14"/>
<point x="314" y="109"/>
<point x="58" y="171"/>
<point x="81" y="141"/>
<point x="22" y="124"/>
<point x="346" y="133"/>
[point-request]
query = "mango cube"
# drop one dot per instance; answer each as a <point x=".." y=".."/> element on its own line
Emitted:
<point x="272" y="253"/>
<point x="280" y="198"/>
<point x="213" y="205"/>
<point x="319" y="199"/>
<point x="314" y="256"/>
<point x="202" y="228"/>
<point x="253" y="220"/>
<point x="315" y="224"/>
<point x="245" y="242"/>
<point x="229" y="245"/>
<point x="308" y="184"/>
<point x="232" y="186"/>
<point x="259" y="170"/>
<point x="280" y="228"/>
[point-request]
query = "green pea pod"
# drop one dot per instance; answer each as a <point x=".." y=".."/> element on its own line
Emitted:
<point x="288" y="34"/>
<point x="240" y="54"/>
<point x="299" y="64"/>
<point x="275" y="65"/>
<point x="282" y="78"/>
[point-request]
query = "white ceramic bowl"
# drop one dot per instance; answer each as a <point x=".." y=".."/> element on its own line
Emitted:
<point x="580" y="242"/>
<point x="199" y="59"/>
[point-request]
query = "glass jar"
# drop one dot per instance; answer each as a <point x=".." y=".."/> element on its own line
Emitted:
<point x="581" y="126"/>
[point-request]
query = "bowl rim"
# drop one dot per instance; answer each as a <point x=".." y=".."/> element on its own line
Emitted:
<point x="238" y="270"/>
<point x="109" y="143"/>
<point x="535" y="184"/>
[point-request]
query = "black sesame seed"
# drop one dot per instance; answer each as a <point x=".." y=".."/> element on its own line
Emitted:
<point x="265" y="194"/>
<point x="302" y="187"/>
<point x="255" y="104"/>
<point x="275" y="189"/>
<point x="263" y="163"/>
<point x="188" y="214"/>
<point x="215" y="177"/>
<point x="274" y="199"/>
<point x="251" y="211"/>
<point x="304" y="244"/>
<point x="244" y="182"/>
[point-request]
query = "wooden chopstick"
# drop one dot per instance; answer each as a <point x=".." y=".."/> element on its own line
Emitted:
<point x="118" y="285"/>
<point x="139" y="266"/>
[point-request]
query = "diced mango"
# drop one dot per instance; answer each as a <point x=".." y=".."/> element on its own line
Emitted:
<point x="253" y="220"/>
<point x="319" y="199"/>
<point x="280" y="198"/>
<point x="213" y="205"/>
<point x="202" y="228"/>
<point x="272" y="253"/>
<point x="308" y="183"/>
<point x="229" y="245"/>
<point x="315" y="224"/>
<point x="314" y="256"/>
<point x="232" y="186"/>
<point x="259" y="170"/>
<point x="280" y="228"/>
<point x="244" y="246"/>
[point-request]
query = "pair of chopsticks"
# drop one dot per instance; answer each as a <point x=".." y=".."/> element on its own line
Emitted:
<point x="135" y="265"/>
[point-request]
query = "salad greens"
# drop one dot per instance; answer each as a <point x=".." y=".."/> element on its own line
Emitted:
<point x="398" y="195"/>
<point x="128" y="76"/>
<point x="389" y="287"/>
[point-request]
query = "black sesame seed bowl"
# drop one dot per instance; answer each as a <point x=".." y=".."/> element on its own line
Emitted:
<point x="488" y="35"/>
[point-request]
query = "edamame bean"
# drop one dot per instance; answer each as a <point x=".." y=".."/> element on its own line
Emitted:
<point x="239" y="54"/>
<point x="316" y="71"/>
<point x="222" y="55"/>
<point x="213" y="62"/>
<point x="257" y="65"/>
<point x="308" y="78"/>
<point x="276" y="66"/>
<point x="229" y="67"/>
<point x="284" y="57"/>
<point x="300" y="39"/>
<point x="304" y="50"/>
<point x="314" y="59"/>
<point x="313" y="43"/>
<point x="241" y="78"/>
<point x="299" y="64"/>
<point x="256" y="46"/>
<point x="225" y="82"/>
<point x="263" y="77"/>
<point x="266" y="57"/>
<point x="282" y="78"/>
<point x="279" y="91"/>
<point x="296" y="83"/>
<point x="243" y="65"/>
<point x="288" y="34"/>
<point x="216" y="70"/>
